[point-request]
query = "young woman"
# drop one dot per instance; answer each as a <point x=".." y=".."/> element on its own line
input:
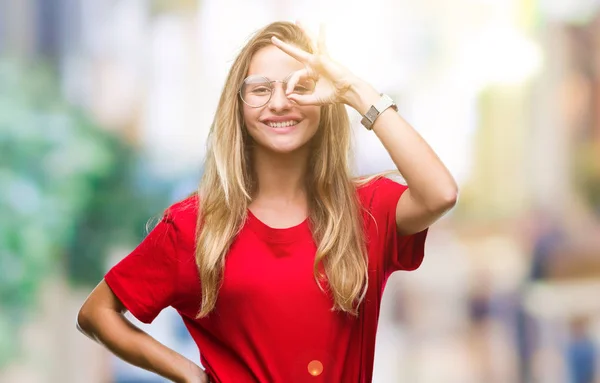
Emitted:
<point x="278" y="262"/>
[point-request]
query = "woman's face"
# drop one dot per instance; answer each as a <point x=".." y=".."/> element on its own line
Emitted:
<point x="280" y="125"/>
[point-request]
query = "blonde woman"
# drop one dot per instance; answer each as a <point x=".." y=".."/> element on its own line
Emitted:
<point x="278" y="262"/>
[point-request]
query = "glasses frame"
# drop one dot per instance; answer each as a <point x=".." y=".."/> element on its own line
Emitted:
<point x="267" y="81"/>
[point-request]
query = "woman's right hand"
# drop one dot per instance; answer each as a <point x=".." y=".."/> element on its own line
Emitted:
<point x="101" y="318"/>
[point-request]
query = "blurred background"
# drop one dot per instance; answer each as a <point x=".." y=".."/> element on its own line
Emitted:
<point x="104" y="110"/>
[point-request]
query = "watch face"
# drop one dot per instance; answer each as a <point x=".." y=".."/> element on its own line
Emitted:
<point x="372" y="113"/>
<point x="366" y="123"/>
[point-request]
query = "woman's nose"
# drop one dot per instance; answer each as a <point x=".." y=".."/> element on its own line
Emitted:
<point x="279" y="100"/>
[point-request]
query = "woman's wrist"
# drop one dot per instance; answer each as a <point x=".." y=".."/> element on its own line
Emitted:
<point x="361" y="95"/>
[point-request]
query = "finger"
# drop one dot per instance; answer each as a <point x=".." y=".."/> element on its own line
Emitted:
<point x="291" y="50"/>
<point x="305" y="99"/>
<point x="295" y="77"/>
<point x="311" y="72"/>
<point x="293" y="80"/>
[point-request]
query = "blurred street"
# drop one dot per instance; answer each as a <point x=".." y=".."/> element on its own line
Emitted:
<point x="105" y="107"/>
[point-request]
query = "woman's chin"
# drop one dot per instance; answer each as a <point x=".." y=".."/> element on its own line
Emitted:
<point x="279" y="146"/>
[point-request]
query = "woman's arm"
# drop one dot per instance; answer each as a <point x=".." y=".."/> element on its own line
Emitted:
<point x="432" y="189"/>
<point x="102" y="319"/>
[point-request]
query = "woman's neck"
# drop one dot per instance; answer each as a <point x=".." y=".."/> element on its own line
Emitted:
<point x="280" y="177"/>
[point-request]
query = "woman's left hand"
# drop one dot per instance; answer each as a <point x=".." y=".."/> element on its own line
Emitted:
<point x="333" y="81"/>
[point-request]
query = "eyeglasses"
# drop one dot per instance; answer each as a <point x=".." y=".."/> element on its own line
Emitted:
<point x="256" y="91"/>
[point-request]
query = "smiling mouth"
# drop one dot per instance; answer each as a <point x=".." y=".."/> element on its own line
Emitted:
<point x="283" y="124"/>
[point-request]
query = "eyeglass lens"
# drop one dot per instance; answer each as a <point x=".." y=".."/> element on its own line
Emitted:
<point x="256" y="91"/>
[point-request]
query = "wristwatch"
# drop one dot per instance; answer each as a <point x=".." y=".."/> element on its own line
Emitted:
<point x="375" y="110"/>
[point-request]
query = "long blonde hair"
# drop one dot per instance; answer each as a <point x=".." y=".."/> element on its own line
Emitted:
<point x="228" y="180"/>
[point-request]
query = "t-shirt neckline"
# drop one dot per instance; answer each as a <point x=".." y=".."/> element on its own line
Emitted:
<point x="279" y="235"/>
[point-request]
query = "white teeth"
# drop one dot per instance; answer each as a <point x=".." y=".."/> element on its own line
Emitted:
<point x="282" y="124"/>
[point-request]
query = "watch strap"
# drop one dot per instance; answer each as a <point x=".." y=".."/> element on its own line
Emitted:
<point x="375" y="110"/>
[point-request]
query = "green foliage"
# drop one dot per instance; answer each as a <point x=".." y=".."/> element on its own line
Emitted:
<point x="587" y="173"/>
<point x="69" y="192"/>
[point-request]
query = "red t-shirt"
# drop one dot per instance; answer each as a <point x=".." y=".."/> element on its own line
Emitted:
<point x="271" y="322"/>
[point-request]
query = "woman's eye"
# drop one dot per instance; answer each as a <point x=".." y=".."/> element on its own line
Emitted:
<point x="300" y="89"/>
<point x="261" y="90"/>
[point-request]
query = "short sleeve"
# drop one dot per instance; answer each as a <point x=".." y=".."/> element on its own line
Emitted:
<point x="145" y="280"/>
<point x="400" y="252"/>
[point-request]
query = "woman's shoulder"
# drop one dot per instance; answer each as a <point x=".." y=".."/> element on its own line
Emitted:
<point x="183" y="216"/>
<point x="184" y="208"/>
<point x="366" y="186"/>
